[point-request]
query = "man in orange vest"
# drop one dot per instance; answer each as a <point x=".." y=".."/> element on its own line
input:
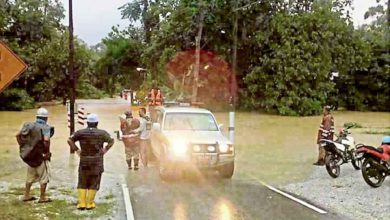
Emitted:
<point x="159" y="98"/>
<point x="155" y="97"/>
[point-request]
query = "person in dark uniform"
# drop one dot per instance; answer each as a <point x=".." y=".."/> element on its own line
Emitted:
<point x="131" y="140"/>
<point x="325" y="131"/>
<point x="91" y="154"/>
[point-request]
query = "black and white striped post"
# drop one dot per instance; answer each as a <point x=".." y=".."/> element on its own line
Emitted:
<point x="68" y="119"/>
<point x="81" y="118"/>
<point x="68" y="113"/>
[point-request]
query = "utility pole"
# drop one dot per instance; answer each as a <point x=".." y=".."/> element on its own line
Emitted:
<point x="71" y="70"/>
<point x="197" y="53"/>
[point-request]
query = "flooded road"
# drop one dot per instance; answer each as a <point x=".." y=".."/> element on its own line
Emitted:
<point x="210" y="198"/>
<point x="277" y="150"/>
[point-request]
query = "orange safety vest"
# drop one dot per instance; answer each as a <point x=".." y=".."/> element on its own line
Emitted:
<point x="152" y="98"/>
<point x="159" y="98"/>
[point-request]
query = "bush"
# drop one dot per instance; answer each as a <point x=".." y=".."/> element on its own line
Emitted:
<point x="87" y="91"/>
<point x="15" y="100"/>
<point x="352" y="125"/>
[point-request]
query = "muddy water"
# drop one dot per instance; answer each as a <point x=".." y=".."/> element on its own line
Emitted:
<point x="273" y="148"/>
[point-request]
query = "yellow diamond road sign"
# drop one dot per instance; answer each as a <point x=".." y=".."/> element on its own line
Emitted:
<point x="11" y="66"/>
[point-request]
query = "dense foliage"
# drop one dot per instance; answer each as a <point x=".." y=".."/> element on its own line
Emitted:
<point x="286" y="50"/>
<point x="15" y="100"/>
<point x="283" y="53"/>
<point x="33" y="29"/>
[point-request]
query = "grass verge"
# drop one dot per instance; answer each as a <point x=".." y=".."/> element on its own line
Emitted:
<point x="63" y="207"/>
<point x="387" y="133"/>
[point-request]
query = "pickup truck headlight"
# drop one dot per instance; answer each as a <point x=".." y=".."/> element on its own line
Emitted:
<point x="223" y="148"/>
<point x="211" y="148"/>
<point x="179" y="147"/>
<point x="196" y="148"/>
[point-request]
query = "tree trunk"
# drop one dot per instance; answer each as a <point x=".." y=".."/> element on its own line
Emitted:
<point x="146" y="20"/>
<point x="197" y="55"/>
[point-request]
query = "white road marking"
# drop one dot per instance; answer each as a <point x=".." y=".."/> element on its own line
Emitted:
<point x="310" y="206"/>
<point x="129" y="208"/>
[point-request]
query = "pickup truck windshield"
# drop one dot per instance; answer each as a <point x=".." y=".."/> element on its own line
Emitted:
<point x="190" y="121"/>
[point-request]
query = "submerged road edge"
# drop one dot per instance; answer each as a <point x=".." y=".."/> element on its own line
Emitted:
<point x="310" y="206"/>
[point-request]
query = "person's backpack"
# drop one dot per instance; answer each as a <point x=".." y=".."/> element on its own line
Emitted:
<point x="29" y="150"/>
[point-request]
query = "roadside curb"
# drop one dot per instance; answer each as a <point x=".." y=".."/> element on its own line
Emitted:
<point x="128" y="206"/>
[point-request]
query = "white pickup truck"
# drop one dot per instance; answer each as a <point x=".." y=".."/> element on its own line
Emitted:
<point x="185" y="138"/>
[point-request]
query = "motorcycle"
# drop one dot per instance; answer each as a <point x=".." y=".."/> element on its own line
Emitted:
<point x="376" y="165"/>
<point x="340" y="151"/>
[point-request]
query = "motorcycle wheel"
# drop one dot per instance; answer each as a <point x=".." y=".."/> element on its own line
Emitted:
<point x="356" y="163"/>
<point x="371" y="174"/>
<point x="331" y="165"/>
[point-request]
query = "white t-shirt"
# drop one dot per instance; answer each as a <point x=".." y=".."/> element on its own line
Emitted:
<point x="144" y="133"/>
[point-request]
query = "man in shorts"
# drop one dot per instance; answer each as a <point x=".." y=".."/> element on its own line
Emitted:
<point x="38" y="170"/>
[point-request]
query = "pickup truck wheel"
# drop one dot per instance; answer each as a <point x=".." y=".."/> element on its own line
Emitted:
<point x="227" y="170"/>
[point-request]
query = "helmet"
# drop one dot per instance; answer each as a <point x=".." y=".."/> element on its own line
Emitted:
<point x="42" y="112"/>
<point x="92" y="118"/>
<point x="328" y="108"/>
<point x="128" y="113"/>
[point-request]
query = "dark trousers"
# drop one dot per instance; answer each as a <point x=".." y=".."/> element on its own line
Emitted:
<point x="89" y="180"/>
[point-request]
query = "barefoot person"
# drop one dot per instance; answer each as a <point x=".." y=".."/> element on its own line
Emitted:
<point x="34" y="142"/>
<point x="325" y="131"/>
<point x="91" y="167"/>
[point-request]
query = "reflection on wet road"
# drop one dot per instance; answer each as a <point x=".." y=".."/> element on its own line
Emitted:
<point x="209" y="198"/>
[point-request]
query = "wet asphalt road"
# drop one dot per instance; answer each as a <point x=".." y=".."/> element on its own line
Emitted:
<point x="210" y="198"/>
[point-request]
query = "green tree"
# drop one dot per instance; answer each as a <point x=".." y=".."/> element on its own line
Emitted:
<point x="370" y="88"/>
<point x="301" y="50"/>
<point x="117" y="67"/>
<point x="33" y="29"/>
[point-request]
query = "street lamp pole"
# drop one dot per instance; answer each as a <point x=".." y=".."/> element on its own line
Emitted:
<point x="71" y="70"/>
<point x="234" y="59"/>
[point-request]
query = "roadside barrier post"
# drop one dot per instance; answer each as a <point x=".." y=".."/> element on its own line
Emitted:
<point x="81" y="116"/>
<point x="231" y="118"/>
<point x="231" y="126"/>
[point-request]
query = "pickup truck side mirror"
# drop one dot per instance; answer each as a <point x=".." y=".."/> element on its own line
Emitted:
<point x="220" y="127"/>
<point x="156" y="127"/>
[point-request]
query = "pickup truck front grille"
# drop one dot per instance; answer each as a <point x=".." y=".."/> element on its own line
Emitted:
<point x="204" y="148"/>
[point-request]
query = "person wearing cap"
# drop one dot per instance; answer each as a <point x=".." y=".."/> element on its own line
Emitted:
<point x="325" y="131"/>
<point x="131" y="140"/>
<point x="91" y="167"/>
<point x="38" y="170"/>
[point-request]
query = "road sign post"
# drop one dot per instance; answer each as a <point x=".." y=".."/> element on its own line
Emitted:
<point x="11" y="66"/>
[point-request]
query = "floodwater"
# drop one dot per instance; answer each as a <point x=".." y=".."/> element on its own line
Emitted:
<point x="274" y="149"/>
